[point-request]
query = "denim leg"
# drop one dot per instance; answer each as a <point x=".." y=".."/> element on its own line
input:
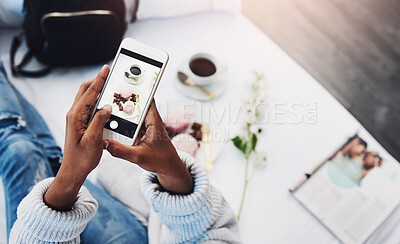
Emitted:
<point x="23" y="162"/>
<point x="22" y="165"/>
<point x="34" y="121"/>
<point x="112" y="223"/>
<point x="9" y="104"/>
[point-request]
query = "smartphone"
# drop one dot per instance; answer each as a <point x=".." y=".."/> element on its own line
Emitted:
<point x="130" y="87"/>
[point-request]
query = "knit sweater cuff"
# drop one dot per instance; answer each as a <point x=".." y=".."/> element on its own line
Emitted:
<point x="38" y="223"/>
<point x="178" y="205"/>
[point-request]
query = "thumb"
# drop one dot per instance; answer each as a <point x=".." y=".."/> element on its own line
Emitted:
<point x="99" y="120"/>
<point x="129" y="153"/>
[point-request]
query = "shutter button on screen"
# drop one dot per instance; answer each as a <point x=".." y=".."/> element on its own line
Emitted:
<point x="113" y="124"/>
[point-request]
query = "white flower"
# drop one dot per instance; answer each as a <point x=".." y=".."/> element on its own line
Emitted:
<point x="261" y="100"/>
<point x="249" y="84"/>
<point x="250" y="116"/>
<point x="262" y="84"/>
<point x="261" y="107"/>
<point x="246" y="102"/>
<point x="257" y="129"/>
<point x="261" y="159"/>
<point x="262" y="97"/>
<point x="261" y="111"/>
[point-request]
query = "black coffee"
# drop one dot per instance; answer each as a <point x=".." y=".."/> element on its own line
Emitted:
<point x="202" y="67"/>
<point x="135" y="70"/>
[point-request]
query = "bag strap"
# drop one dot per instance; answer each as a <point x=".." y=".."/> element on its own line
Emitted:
<point x="19" y="69"/>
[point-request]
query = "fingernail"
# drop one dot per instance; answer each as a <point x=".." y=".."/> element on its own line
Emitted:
<point x="108" y="108"/>
<point x="106" y="144"/>
<point x="104" y="66"/>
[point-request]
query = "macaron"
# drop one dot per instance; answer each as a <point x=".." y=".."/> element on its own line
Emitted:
<point x="178" y="119"/>
<point x="129" y="107"/>
<point x="185" y="142"/>
<point x="126" y="93"/>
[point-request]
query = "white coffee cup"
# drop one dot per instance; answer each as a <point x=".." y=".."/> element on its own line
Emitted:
<point x="134" y="74"/>
<point x="207" y="76"/>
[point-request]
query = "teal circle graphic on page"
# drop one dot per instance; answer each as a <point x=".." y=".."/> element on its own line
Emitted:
<point x="345" y="174"/>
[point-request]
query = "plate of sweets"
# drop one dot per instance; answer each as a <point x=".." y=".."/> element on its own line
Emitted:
<point x="125" y="103"/>
<point x="190" y="130"/>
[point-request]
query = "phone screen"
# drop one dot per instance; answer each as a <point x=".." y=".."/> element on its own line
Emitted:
<point x="128" y="89"/>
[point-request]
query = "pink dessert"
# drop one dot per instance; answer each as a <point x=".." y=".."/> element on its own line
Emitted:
<point x="178" y="119"/>
<point x="129" y="107"/>
<point x="185" y="142"/>
<point x="126" y="93"/>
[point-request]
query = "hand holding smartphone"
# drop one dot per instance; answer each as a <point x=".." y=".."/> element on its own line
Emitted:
<point x="130" y="88"/>
<point x="155" y="152"/>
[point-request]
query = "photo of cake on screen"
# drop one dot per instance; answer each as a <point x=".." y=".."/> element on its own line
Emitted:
<point x="352" y="192"/>
<point x="129" y="86"/>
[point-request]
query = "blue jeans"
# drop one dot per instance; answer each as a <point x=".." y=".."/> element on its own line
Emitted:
<point x="29" y="154"/>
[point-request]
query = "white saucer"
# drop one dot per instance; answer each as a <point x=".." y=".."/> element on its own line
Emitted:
<point x="137" y="80"/>
<point x="218" y="87"/>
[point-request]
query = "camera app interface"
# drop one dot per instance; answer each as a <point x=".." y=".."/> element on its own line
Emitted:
<point x="129" y="86"/>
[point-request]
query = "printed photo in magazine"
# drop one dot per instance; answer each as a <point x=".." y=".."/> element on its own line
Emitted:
<point x="352" y="192"/>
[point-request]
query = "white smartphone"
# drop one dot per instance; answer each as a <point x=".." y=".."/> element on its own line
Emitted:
<point x="129" y="89"/>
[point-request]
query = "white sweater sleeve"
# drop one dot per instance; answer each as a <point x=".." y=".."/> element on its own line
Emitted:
<point x="38" y="223"/>
<point x="202" y="216"/>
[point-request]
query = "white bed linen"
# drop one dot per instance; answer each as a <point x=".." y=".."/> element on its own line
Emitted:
<point x="271" y="214"/>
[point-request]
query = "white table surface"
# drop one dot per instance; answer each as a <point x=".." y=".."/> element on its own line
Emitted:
<point x="271" y="214"/>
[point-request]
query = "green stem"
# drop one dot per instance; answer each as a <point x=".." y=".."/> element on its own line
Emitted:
<point x="252" y="174"/>
<point x="244" y="187"/>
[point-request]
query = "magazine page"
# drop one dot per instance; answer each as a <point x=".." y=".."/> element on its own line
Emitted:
<point x="353" y="191"/>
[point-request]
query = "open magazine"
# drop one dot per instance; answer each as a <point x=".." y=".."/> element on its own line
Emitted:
<point x="352" y="192"/>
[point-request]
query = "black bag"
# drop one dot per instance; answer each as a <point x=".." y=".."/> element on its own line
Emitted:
<point x="69" y="33"/>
